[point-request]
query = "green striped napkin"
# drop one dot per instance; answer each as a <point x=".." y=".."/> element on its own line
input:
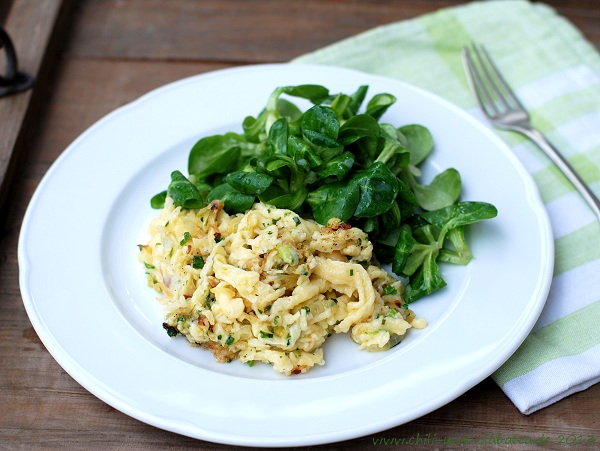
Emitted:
<point x="556" y="73"/>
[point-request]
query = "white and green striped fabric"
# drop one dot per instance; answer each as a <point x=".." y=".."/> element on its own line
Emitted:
<point x="556" y="74"/>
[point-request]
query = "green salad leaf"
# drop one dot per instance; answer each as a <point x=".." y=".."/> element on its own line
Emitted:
<point x="330" y="160"/>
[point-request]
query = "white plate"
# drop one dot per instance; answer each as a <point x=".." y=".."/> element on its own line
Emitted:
<point x="86" y="296"/>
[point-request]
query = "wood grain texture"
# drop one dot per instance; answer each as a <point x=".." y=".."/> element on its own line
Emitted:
<point x="35" y="29"/>
<point x="230" y="30"/>
<point x="251" y="31"/>
<point x="118" y="50"/>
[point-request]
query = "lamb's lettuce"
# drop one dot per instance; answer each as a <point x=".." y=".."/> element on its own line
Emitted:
<point x="329" y="160"/>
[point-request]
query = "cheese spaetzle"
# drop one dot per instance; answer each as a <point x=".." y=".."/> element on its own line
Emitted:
<point x="270" y="286"/>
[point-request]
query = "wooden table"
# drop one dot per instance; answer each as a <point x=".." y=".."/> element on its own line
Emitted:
<point x="92" y="56"/>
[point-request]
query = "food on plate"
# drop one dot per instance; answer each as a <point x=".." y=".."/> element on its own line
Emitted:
<point x="342" y="172"/>
<point x="269" y="286"/>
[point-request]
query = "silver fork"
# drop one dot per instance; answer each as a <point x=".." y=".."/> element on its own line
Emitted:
<point x="505" y="111"/>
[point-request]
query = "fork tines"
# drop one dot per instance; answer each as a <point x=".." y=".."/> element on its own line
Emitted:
<point x="487" y="83"/>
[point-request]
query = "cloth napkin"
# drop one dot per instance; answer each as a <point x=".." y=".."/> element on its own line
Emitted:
<point x="556" y="74"/>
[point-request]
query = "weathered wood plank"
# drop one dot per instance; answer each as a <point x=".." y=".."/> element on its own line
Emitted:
<point x="251" y="31"/>
<point x="36" y="30"/>
<point x="236" y="31"/>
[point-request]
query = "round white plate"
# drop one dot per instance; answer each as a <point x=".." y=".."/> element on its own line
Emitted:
<point x="87" y="298"/>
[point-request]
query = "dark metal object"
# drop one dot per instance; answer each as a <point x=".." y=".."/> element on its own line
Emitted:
<point x="12" y="81"/>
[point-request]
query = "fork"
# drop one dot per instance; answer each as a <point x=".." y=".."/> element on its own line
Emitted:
<point x="504" y="110"/>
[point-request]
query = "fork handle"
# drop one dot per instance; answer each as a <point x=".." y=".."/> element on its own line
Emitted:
<point x="565" y="167"/>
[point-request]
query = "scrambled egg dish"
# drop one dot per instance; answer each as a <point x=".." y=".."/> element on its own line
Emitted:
<point x="269" y="286"/>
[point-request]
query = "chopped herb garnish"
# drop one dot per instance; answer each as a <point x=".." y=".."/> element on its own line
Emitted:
<point x="288" y="254"/>
<point x="389" y="289"/>
<point x="171" y="331"/>
<point x="149" y="266"/>
<point x="186" y="237"/>
<point x="229" y="340"/>
<point x="265" y="334"/>
<point x="297" y="220"/>
<point x="250" y="362"/>
<point x="209" y="301"/>
<point x="198" y="262"/>
<point x="351" y="272"/>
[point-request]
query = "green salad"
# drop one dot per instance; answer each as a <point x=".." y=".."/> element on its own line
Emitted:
<point x="336" y="159"/>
